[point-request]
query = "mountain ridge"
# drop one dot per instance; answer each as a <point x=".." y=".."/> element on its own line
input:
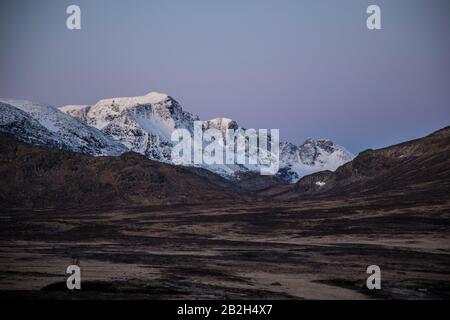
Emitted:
<point x="420" y="166"/>
<point x="144" y="124"/>
<point x="31" y="121"/>
<point x="134" y="122"/>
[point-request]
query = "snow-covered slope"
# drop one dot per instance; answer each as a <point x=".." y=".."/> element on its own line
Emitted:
<point x="221" y="124"/>
<point x="46" y="125"/>
<point x="296" y="161"/>
<point x="17" y="123"/>
<point x="144" y="124"/>
<point x="311" y="156"/>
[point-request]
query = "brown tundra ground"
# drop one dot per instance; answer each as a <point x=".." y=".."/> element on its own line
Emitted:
<point x="292" y="250"/>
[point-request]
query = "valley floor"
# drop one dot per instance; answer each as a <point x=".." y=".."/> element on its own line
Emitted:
<point x="292" y="250"/>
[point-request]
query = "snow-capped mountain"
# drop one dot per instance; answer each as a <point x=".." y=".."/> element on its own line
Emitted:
<point x="221" y="124"/>
<point x="144" y="124"/>
<point x="296" y="161"/>
<point x="25" y="128"/>
<point x="309" y="157"/>
<point x="45" y="125"/>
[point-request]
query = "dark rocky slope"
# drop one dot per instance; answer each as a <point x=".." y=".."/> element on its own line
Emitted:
<point x="417" y="166"/>
<point x="36" y="177"/>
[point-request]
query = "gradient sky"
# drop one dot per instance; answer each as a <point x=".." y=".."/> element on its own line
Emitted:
<point x="310" y="68"/>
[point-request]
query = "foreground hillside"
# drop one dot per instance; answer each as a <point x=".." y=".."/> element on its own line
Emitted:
<point x="420" y="168"/>
<point x="40" y="178"/>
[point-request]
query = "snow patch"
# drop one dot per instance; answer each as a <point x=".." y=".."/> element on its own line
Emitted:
<point x="320" y="183"/>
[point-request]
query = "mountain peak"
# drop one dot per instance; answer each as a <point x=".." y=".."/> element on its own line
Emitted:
<point x="130" y="102"/>
<point x="156" y="97"/>
<point x="221" y="124"/>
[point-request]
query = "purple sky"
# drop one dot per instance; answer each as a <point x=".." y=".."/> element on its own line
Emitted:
<point x="310" y="68"/>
